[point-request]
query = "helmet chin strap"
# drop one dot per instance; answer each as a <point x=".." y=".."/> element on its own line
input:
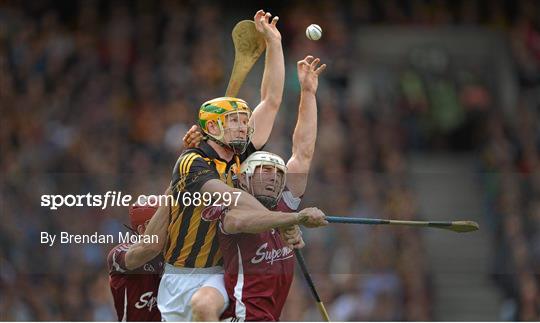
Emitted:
<point x="237" y="160"/>
<point x="217" y="141"/>
<point x="238" y="146"/>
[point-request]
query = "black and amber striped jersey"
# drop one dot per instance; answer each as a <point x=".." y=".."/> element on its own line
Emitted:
<point x="192" y="240"/>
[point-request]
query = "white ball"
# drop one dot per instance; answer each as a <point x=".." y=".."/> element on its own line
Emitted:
<point x="313" y="32"/>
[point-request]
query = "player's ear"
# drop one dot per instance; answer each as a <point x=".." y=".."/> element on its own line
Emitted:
<point x="213" y="128"/>
<point x="242" y="181"/>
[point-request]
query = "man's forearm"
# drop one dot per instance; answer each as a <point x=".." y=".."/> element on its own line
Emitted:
<point x="245" y="200"/>
<point x="303" y="143"/>
<point x="141" y="253"/>
<point x="255" y="221"/>
<point x="247" y="214"/>
<point x="158" y="223"/>
<point x="249" y="202"/>
<point x="274" y="73"/>
<point x="305" y="132"/>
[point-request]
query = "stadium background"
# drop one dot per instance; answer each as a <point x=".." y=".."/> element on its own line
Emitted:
<point x="428" y="109"/>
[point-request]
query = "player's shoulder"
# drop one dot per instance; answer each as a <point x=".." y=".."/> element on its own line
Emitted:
<point x="250" y="149"/>
<point x="288" y="202"/>
<point x="191" y="153"/>
<point x="188" y="159"/>
<point x="115" y="258"/>
<point x="116" y="250"/>
<point x="122" y="247"/>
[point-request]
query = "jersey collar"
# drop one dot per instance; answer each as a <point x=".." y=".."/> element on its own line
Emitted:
<point x="210" y="152"/>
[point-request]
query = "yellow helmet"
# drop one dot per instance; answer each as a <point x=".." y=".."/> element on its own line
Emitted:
<point x="217" y="110"/>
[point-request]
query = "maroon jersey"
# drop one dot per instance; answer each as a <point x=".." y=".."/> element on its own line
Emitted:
<point x="259" y="270"/>
<point x="134" y="291"/>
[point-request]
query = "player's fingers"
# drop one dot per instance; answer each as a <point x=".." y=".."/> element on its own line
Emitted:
<point x="293" y="238"/>
<point x="320" y="69"/>
<point x="275" y="20"/>
<point x="258" y="14"/>
<point x="263" y="21"/>
<point x="308" y="59"/>
<point x="195" y="137"/>
<point x="194" y="128"/>
<point x="301" y="244"/>
<point x="314" y="63"/>
<point x="257" y="18"/>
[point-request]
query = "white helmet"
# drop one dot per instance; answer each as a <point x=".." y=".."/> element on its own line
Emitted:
<point x="248" y="169"/>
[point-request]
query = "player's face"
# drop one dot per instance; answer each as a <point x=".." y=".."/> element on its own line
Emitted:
<point x="236" y="128"/>
<point x="267" y="181"/>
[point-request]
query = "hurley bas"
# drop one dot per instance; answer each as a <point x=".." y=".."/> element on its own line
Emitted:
<point x="122" y="237"/>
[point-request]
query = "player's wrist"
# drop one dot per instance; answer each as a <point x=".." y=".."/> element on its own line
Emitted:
<point x="273" y="41"/>
<point x="308" y="91"/>
<point x="298" y="217"/>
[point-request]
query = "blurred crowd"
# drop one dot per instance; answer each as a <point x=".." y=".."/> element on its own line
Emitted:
<point x="511" y="177"/>
<point x="96" y="96"/>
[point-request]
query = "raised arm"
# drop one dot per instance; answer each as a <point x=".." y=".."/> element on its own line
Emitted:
<point x="305" y="132"/>
<point x="273" y="80"/>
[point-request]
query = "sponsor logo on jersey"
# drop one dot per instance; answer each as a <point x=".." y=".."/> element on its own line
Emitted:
<point x="146" y="300"/>
<point x="212" y="213"/>
<point x="271" y="255"/>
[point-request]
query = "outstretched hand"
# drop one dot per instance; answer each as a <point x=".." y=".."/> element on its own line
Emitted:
<point x="308" y="73"/>
<point x="266" y="27"/>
